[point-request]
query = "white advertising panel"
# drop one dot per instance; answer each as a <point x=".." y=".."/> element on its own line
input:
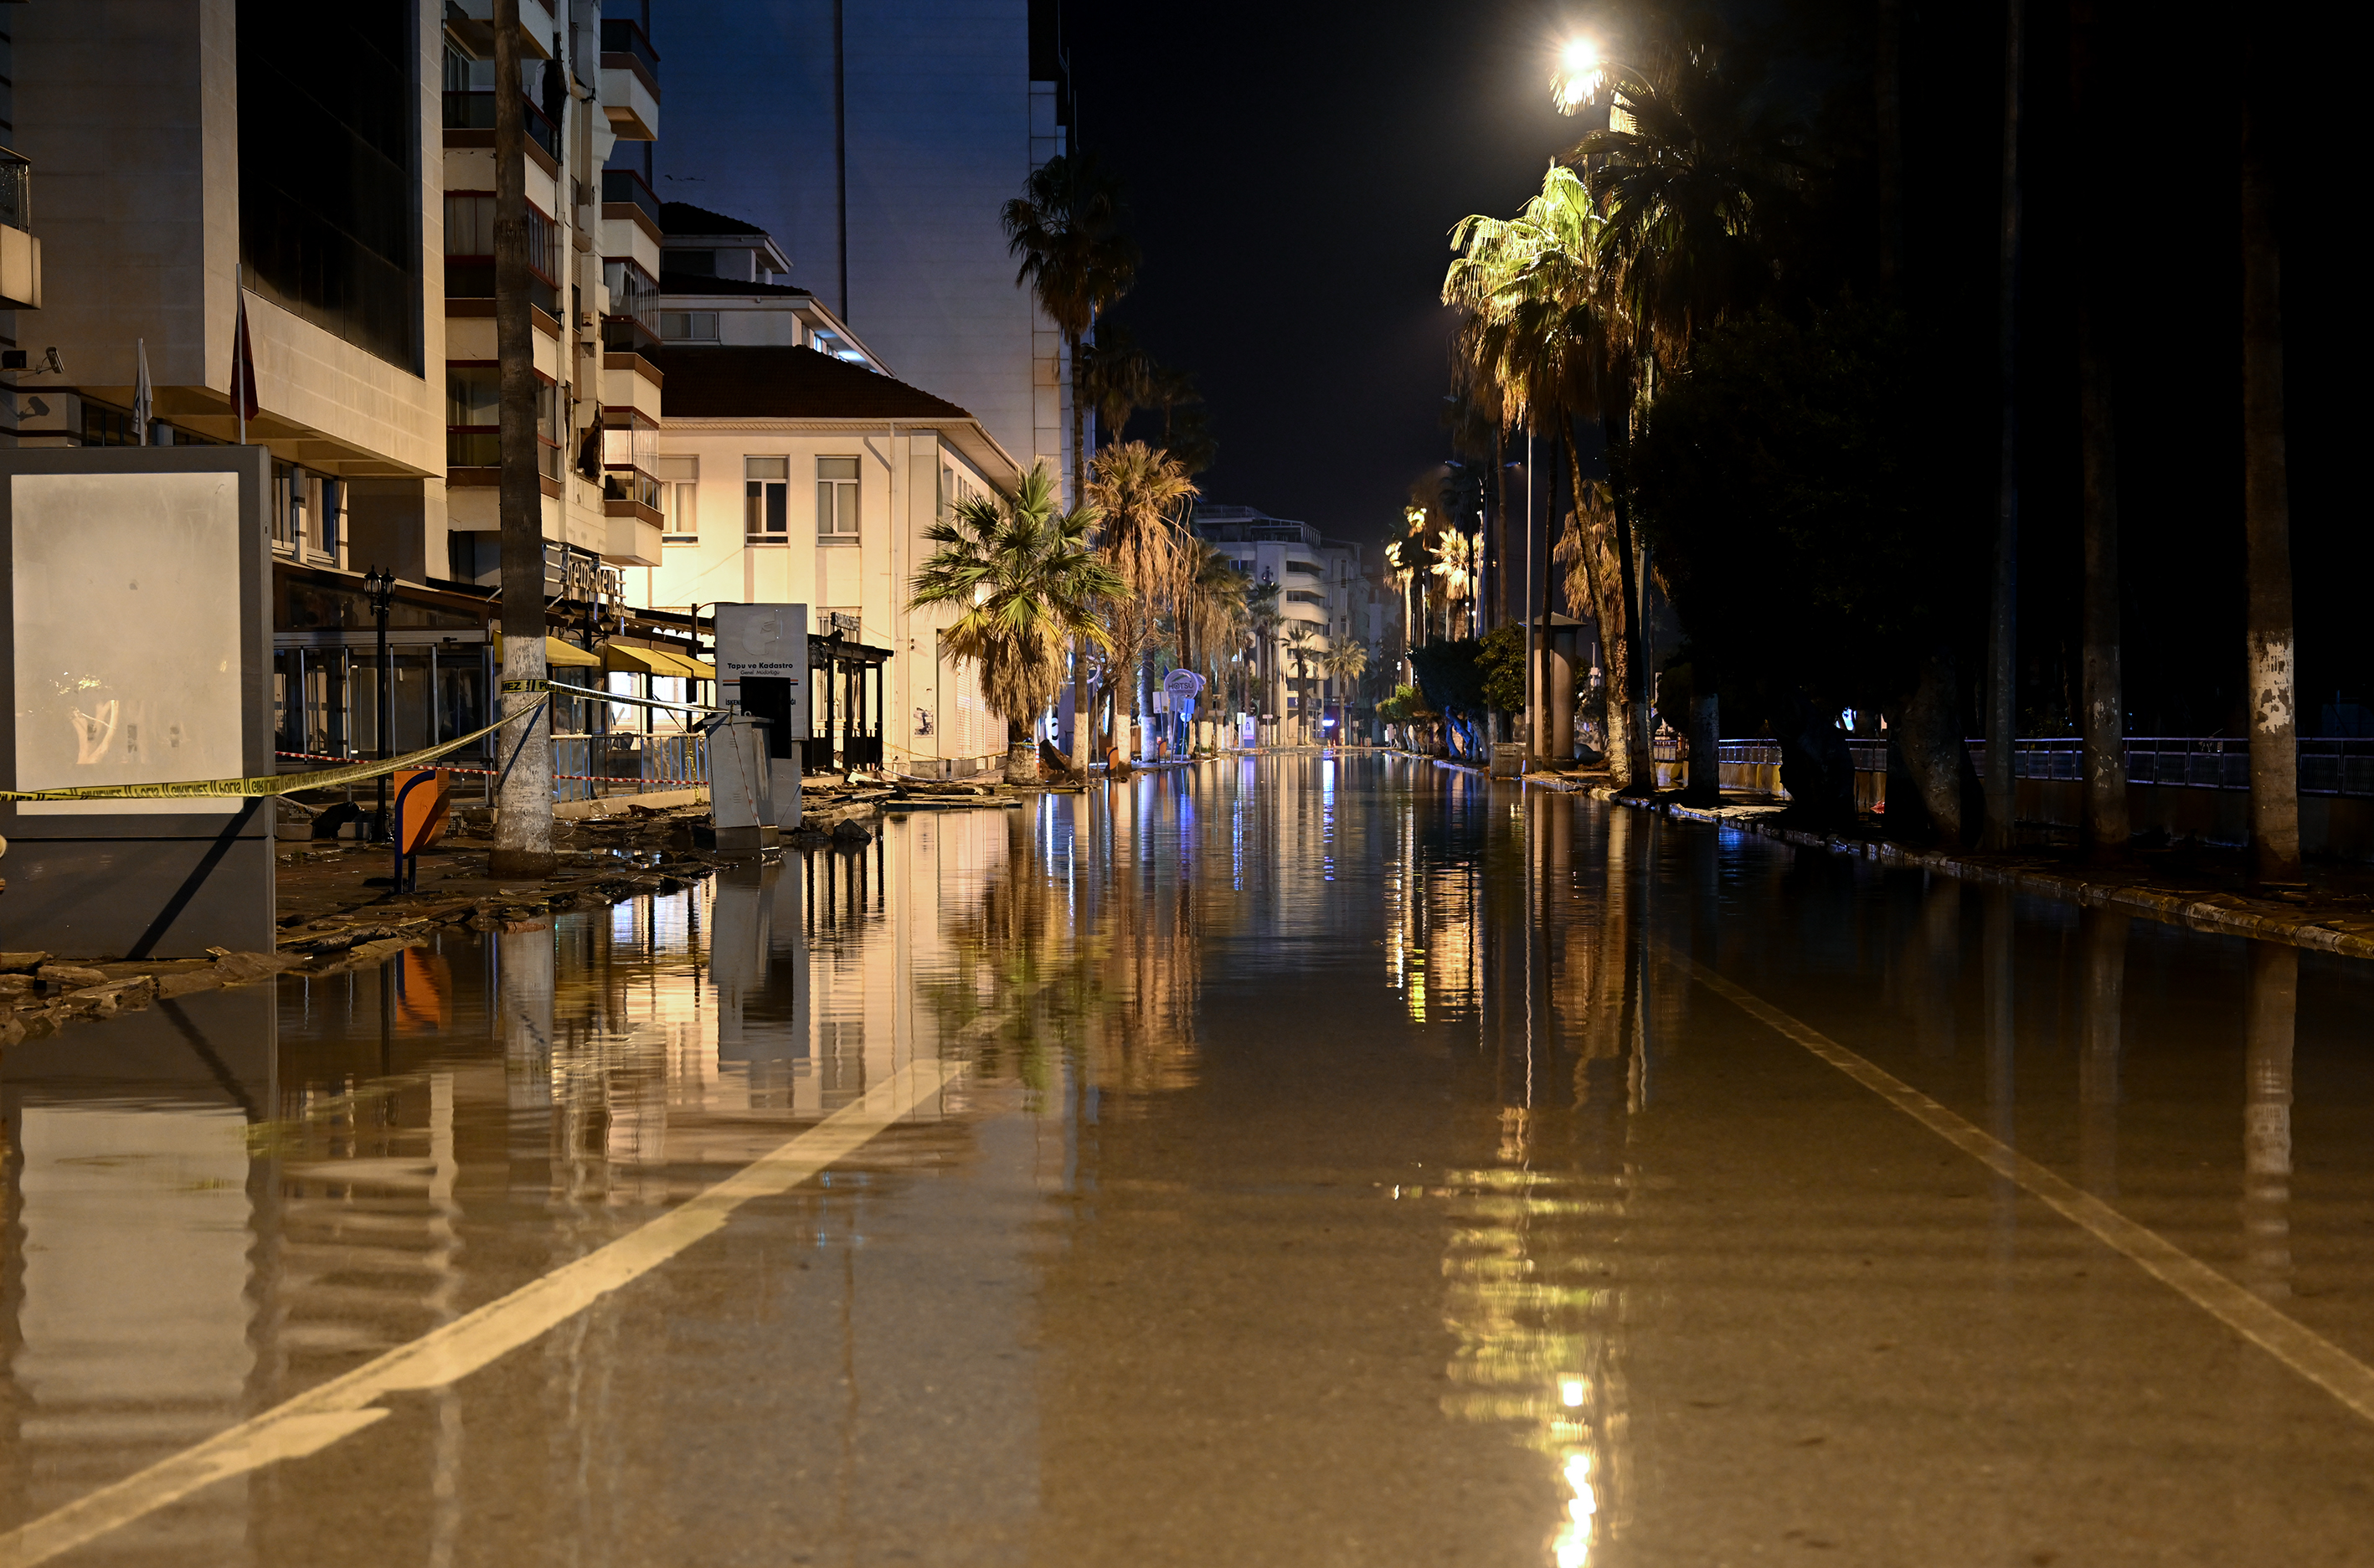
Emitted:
<point x="127" y="636"/>
<point x="766" y="641"/>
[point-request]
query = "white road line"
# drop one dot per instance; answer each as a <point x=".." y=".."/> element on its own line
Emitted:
<point x="314" y="1420"/>
<point x="2303" y="1349"/>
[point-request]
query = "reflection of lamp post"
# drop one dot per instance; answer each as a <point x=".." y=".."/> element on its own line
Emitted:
<point x="379" y="592"/>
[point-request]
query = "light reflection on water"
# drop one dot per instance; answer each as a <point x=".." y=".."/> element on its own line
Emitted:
<point x="215" y="1203"/>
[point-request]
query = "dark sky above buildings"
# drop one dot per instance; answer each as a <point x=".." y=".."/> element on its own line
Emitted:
<point x="1294" y="169"/>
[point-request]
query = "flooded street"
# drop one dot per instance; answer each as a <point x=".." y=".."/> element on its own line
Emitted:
<point x="1300" y="1161"/>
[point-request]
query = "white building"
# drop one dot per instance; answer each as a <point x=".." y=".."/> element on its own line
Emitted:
<point x="795" y="477"/>
<point x="1323" y="584"/>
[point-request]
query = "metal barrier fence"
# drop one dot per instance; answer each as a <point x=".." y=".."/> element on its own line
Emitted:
<point x="626" y="763"/>
<point x="2329" y="765"/>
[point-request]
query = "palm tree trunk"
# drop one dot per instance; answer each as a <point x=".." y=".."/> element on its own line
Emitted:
<point x="1926" y="732"/>
<point x="1021" y="754"/>
<point x="1080" y="709"/>
<point x="2266" y="508"/>
<point x="1705" y="787"/>
<point x="1615" y="594"/>
<point x="2003" y="622"/>
<point x="1079" y="425"/>
<point x="2102" y="820"/>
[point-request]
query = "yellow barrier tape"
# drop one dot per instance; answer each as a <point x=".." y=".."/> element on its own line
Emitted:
<point x="275" y="784"/>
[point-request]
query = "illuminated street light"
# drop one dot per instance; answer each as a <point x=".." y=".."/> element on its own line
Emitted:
<point x="1579" y="74"/>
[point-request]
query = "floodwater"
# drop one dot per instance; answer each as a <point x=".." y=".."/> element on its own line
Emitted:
<point x="1299" y="1161"/>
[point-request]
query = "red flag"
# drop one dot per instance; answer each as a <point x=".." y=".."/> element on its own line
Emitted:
<point x="242" y="371"/>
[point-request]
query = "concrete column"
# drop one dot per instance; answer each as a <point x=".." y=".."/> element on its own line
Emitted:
<point x="1557" y="740"/>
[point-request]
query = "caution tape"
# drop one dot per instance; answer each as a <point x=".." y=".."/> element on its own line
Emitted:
<point x="274" y="784"/>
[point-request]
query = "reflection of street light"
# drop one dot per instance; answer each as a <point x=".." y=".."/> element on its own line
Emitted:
<point x="1579" y="74"/>
<point x="379" y="592"/>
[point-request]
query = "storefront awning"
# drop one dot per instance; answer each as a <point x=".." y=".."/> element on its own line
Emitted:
<point x="558" y="655"/>
<point x="665" y="661"/>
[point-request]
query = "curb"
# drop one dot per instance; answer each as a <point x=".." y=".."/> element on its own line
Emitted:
<point x="2223" y="914"/>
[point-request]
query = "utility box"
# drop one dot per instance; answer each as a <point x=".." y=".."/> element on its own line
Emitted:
<point x="1508" y="760"/>
<point x="741" y="806"/>
<point x="135" y="583"/>
<point x="762" y="671"/>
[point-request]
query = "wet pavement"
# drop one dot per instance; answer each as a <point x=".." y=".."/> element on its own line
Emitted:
<point x="1297" y="1161"/>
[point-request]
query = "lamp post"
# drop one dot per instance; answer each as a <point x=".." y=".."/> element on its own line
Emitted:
<point x="379" y="592"/>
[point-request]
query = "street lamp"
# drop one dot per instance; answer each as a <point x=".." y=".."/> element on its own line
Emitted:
<point x="1580" y="71"/>
<point x="379" y="592"/>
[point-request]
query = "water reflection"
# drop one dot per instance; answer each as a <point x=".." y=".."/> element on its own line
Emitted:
<point x="1292" y="1083"/>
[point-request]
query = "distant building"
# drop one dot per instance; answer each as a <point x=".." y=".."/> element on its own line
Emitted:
<point x="878" y="144"/>
<point x="1325" y="584"/>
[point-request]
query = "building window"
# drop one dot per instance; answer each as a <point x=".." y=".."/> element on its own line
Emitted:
<point x="837" y="498"/>
<point x="766" y="506"/>
<point x="683" y="515"/>
<point x="688" y="326"/>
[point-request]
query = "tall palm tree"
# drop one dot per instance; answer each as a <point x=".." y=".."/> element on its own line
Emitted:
<point x="1027" y="584"/>
<point x="1141" y="494"/>
<point x="1066" y="227"/>
<point x="1691" y="177"/>
<point x="1262" y="615"/>
<point x="1346" y="662"/>
<point x="1214" y="615"/>
<point x="2266" y="503"/>
<point x="1541" y="327"/>
<point x="1119" y="376"/>
<point x="1299" y="637"/>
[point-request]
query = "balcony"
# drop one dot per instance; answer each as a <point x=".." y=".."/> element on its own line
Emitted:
<point x="20" y="254"/>
<point x="471" y="23"/>
<point x="625" y="196"/>
<point x="631" y="81"/>
<point x="472" y="114"/>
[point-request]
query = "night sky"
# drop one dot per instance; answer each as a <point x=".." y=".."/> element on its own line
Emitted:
<point x="1295" y="171"/>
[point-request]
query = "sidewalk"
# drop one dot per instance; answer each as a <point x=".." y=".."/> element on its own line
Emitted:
<point x="2201" y="889"/>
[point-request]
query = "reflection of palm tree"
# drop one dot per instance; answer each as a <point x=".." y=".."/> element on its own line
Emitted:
<point x="1026" y="585"/>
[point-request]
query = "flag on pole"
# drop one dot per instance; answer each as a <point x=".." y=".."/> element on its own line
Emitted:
<point x="242" y="372"/>
<point x="144" y="399"/>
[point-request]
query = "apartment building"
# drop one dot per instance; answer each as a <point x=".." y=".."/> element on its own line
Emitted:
<point x="1323" y="584"/>
<point x="332" y="169"/>
<point x="878" y="143"/>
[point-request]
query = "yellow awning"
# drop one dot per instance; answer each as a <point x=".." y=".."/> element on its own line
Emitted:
<point x="640" y="661"/>
<point x="559" y="655"/>
<point x="663" y="662"/>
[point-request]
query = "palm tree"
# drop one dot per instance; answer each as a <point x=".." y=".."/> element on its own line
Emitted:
<point x="1300" y="636"/>
<point x="1066" y="227"/>
<point x="1027" y="584"/>
<point x="1346" y="662"/>
<point x="1543" y="329"/>
<point x="1262" y="615"/>
<point x="1689" y="178"/>
<point x="1214" y="614"/>
<point x="1140" y="494"/>
<point x="2267" y="506"/>
<point x="1119" y="376"/>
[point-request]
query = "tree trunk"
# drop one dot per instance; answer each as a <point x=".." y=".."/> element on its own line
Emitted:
<point x="1021" y="754"/>
<point x="1816" y="767"/>
<point x="523" y="748"/>
<point x="1927" y="731"/>
<point x="2002" y="621"/>
<point x="1631" y="767"/>
<point x="2102" y="820"/>
<point x="1079" y="427"/>
<point x="2266" y="508"/>
<point x="1080" y="751"/>
<point x="1886" y="83"/>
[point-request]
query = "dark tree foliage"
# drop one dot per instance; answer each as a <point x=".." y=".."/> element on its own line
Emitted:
<point x="1500" y="662"/>
<point x="1791" y="487"/>
<point x="1452" y="676"/>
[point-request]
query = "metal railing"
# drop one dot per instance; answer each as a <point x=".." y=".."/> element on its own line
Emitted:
<point x="626" y="762"/>
<point x="2329" y="765"/>
<point x="626" y="185"/>
<point x="622" y="36"/>
<point x="475" y="111"/>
